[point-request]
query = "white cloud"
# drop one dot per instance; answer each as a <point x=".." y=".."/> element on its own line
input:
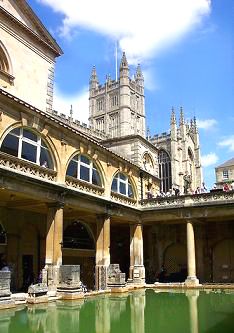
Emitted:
<point x="228" y="143"/>
<point x="209" y="159"/>
<point x="143" y="29"/>
<point x="150" y="81"/>
<point x="206" y="124"/>
<point x="79" y="102"/>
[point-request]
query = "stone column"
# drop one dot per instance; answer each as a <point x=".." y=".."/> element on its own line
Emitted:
<point x="102" y="251"/>
<point x="137" y="269"/>
<point x="191" y="257"/>
<point x="54" y="238"/>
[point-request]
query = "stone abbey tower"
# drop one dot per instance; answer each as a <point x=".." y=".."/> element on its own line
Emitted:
<point x="117" y="109"/>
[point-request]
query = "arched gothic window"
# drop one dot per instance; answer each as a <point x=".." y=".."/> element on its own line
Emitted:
<point x="83" y="168"/>
<point x="121" y="184"/>
<point x="76" y="236"/>
<point x="164" y="163"/>
<point x="26" y="144"/>
<point x="5" y="65"/>
<point x="4" y="62"/>
<point x="3" y="237"/>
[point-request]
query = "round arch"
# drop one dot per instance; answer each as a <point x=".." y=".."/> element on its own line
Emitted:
<point x="223" y="261"/>
<point x="15" y="133"/>
<point x="74" y="168"/>
<point x="148" y="161"/>
<point x="78" y="235"/>
<point x="127" y="180"/>
<point x="5" y="60"/>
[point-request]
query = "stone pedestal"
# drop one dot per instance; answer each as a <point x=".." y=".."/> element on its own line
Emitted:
<point x="5" y="294"/>
<point x="69" y="286"/>
<point x="115" y="278"/>
<point x="37" y="293"/>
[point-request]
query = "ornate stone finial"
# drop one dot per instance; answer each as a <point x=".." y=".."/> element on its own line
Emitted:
<point x="71" y="112"/>
<point x="108" y="79"/>
<point x="195" y="124"/>
<point x="173" y="116"/>
<point x="148" y="133"/>
<point x="93" y="77"/>
<point x="124" y="62"/>
<point x="139" y="74"/>
<point x="181" y="116"/>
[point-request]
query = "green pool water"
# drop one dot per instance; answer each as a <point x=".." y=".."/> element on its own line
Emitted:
<point x="142" y="311"/>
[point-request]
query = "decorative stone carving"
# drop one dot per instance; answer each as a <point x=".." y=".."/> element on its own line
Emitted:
<point x="115" y="277"/>
<point x="36" y="290"/>
<point x="5" y="293"/>
<point x="84" y="186"/>
<point x="101" y="277"/>
<point x="37" y="293"/>
<point x="18" y="165"/>
<point x="5" y="280"/>
<point x="70" y="286"/>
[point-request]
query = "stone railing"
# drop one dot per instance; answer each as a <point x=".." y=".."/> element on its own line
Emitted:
<point x="30" y="169"/>
<point x="189" y="200"/>
<point x="84" y="186"/>
<point x="122" y="199"/>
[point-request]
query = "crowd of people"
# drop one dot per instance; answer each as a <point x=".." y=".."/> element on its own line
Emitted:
<point x="175" y="191"/>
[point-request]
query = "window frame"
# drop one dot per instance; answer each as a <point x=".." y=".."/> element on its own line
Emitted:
<point x="38" y="144"/>
<point x="91" y="166"/>
<point x="125" y="182"/>
<point x="225" y="174"/>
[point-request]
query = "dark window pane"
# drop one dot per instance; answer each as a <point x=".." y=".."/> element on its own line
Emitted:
<point x="130" y="191"/>
<point x="121" y="176"/>
<point x="45" y="159"/>
<point x="84" y="173"/>
<point x="122" y="188"/>
<point x="16" y="131"/>
<point x="72" y="169"/>
<point x="84" y="159"/>
<point x="96" y="180"/>
<point x="75" y="158"/>
<point x="114" y="185"/>
<point x="29" y="152"/>
<point x="29" y="135"/>
<point x="10" y="145"/>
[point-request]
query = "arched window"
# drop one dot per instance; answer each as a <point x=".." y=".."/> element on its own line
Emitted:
<point x="4" y="63"/>
<point x="83" y="168"/>
<point x="3" y="237"/>
<point x="164" y="163"/>
<point x="121" y="184"/>
<point x="25" y="144"/>
<point x="76" y="236"/>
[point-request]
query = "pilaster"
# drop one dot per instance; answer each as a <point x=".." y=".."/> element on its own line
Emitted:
<point x="137" y="269"/>
<point x="102" y="251"/>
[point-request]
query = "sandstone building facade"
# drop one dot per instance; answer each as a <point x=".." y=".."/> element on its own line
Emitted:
<point x="75" y="194"/>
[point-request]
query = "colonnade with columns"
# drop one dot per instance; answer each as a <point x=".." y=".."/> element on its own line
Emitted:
<point x="54" y="239"/>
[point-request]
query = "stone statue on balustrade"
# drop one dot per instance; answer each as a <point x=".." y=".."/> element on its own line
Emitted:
<point x="187" y="182"/>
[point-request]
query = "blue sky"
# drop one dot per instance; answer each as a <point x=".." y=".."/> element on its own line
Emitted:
<point x="185" y="48"/>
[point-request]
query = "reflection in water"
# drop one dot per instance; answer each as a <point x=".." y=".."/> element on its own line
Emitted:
<point x="192" y="296"/>
<point x="138" y="312"/>
<point x="137" y="305"/>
